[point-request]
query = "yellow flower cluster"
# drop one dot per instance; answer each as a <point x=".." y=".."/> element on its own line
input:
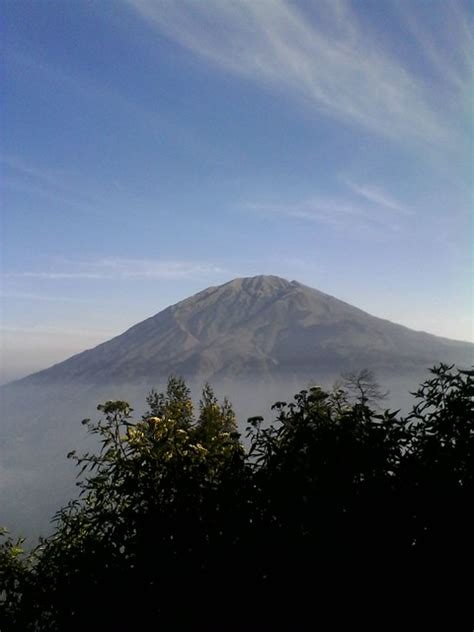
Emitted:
<point x="199" y="448"/>
<point x="135" y="435"/>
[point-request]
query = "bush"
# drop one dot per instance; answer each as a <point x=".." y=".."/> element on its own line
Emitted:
<point x="335" y="513"/>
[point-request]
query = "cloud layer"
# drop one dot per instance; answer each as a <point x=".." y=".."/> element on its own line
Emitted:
<point x="357" y="207"/>
<point x="113" y="268"/>
<point x="330" y="60"/>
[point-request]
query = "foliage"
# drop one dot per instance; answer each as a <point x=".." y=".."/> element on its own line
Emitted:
<point x="332" y="510"/>
<point x="14" y="569"/>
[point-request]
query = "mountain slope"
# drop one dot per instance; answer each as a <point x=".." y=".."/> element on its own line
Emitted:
<point x="261" y="326"/>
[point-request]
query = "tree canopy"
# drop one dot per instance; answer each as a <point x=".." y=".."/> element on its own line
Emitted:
<point x="334" y="512"/>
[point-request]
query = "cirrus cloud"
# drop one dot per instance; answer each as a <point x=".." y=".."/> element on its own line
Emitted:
<point x="116" y="268"/>
<point x="328" y="58"/>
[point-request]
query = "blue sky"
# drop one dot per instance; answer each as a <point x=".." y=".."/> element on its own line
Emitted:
<point x="151" y="149"/>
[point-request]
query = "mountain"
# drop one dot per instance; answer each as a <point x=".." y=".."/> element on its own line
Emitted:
<point x="255" y="339"/>
<point x="262" y="327"/>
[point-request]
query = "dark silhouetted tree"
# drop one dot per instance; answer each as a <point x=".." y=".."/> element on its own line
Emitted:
<point x="362" y="386"/>
<point x="337" y="517"/>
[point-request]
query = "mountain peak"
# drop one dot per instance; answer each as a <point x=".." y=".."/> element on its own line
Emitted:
<point x="259" y="283"/>
<point x="255" y="326"/>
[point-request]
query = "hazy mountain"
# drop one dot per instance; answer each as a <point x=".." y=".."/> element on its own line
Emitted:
<point x="258" y="327"/>
<point x="255" y="339"/>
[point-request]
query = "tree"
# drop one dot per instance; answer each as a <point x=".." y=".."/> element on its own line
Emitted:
<point x="152" y="502"/>
<point x="175" y="403"/>
<point x="215" y="421"/>
<point x="335" y="512"/>
<point x="362" y="386"/>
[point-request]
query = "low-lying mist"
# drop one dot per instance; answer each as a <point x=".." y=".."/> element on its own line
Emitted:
<point x="41" y="424"/>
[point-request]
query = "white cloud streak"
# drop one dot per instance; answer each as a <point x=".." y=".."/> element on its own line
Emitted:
<point x="30" y="296"/>
<point x="17" y="164"/>
<point x="46" y="193"/>
<point x="447" y="51"/>
<point x="54" y="331"/>
<point x="332" y="62"/>
<point x="29" y="179"/>
<point x="73" y="190"/>
<point x="326" y="211"/>
<point x="378" y="197"/>
<point x="377" y="209"/>
<point x="125" y="269"/>
<point x="151" y="121"/>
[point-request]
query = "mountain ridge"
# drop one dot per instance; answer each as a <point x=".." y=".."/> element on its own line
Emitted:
<point x="256" y="325"/>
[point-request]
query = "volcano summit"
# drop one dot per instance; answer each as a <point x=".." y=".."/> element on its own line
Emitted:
<point x="262" y="327"/>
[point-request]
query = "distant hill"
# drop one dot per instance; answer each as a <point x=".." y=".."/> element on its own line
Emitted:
<point x="255" y="339"/>
<point x="259" y="327"/>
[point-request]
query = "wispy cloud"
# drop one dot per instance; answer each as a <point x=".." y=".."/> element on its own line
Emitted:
<point x="448" y="51"/>
<point x="31" y="296"/>
<point x="370" y="207"/>
<point x="329" y="59"/>
<point x="379" y="197"/>
<point x="18" y="165"/>
<point x="122" y="268"/>
<point x="107" y="98"/>
<point x="45" y="192"/>
<point x="27" y="178"/>
<point x="72" y="190"/>
<point x="327" y="211"/>
<point x="41" y="331"/>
